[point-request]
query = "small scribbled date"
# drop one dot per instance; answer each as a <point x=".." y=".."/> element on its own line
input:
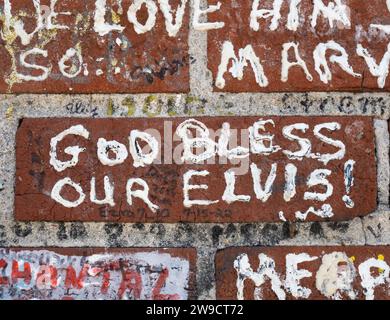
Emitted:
<point x="137" y="213"/>
<point x="223" y="213"/>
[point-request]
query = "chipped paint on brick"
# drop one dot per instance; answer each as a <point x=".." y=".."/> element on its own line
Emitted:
<point x="126" y="274"/>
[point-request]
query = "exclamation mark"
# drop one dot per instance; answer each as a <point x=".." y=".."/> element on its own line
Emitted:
<point x="348" y="182"/>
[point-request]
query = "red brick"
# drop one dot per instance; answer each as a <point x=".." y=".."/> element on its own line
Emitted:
<point x="346" y="262"/>
<point x="267" y="45"/>
<point x="94" y="274"/>
<point x="150" y="62"/>
<point x="36" y="177"/>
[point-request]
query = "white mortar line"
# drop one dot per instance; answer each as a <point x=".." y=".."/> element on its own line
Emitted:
<point x="383" y="161"/>
<point x="200" y="77"/>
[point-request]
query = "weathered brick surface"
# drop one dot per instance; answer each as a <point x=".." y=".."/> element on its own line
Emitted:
<point x="94" y="48"/>
<point x="266" y="36"/>
<point x="142" y="67"/>
<point x="333" y="193"/>
<point x="91" y="274"/>
<point x="303" y="273"/>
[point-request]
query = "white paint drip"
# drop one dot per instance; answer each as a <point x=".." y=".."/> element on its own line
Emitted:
<point x="238" y="65"/>
<point x="369" y="282"/>
<point x="188" y="203"/>
<point x="266" y="270"/>
<point x="294" y="275"/>
<point x="257" y="13"/>
<point x="150" y="22"/>
<point x="293" y="16"/>
<point x="326" y="158"/>
<point x="223" y="143"/>
<point x="336" y="276"/>
<point x="229" y="195"/>
<point x="326" y="211"/>
<point x="86" y="72"/>
<point x="183" y="131"/>
<point x="286" y="64"/>
<point x="321" y="65"/>
<point x="335" y="11"/>
<point x="380" y="71"/>
<point x="108" y="191"/>
<point x="257" y="140"/>
<point x="45" y="70"/>
<point x="74" y="151"/>
<point x="290" y="186"/>
<point x="318" y="177"/>
<point x="305" y="144"/>
<point x="381" y="27"/>
<point x="263" y="194"/>
<point x="53" y="14"/>
<point x="348" y="182"/>
<point x="172" y="28"/>
<point x="198" y="12"/>
<point x="142" y="159"/>
<point x="18" y="25"/>
<point x="70" y="53"/>
<point x="100" y="25"/>
<point x="282" y="217"/>
<point x="104" y="147"/>
<point x="141" y="194"/>
<point x="384" y="28"/>
<point x="56" y="193"/>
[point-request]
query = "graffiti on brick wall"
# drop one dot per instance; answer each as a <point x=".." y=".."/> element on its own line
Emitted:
<point x="196" y="170"/>
<point x="276" y="45"/>
<point x="142" y="45"/>
<point x="351" y="273"/>
<point x="127" y="274"/>
<point x="94" y="46"/>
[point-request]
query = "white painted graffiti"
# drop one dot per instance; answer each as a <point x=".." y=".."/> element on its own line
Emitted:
<point x="336" y="13"/>
<point x="335" y="279"/>
<point x="204" y="148"/>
